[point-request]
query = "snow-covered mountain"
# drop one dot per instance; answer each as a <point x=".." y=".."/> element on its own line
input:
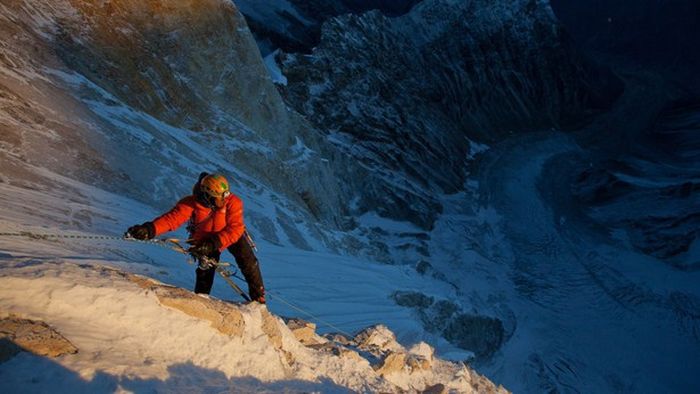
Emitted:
<point x="411" y="174"/>
<point x="103" y="71"/>
<point x="565" y="287"/>
<point x="405" y="96"/>
<point x="109" y="112"/>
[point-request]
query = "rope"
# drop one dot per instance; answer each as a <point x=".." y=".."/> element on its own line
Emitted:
<point x="310" y="315"/>
<point x="28" y="234"/>
<point x="170" y="243"/>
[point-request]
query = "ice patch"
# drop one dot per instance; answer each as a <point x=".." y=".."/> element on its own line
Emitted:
<point x="273" y="68"/>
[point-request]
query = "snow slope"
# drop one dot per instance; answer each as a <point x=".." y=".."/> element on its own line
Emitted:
<point x="591" y="315"/>
<point x="102" y="129"/>
<point x="129" y="341"/>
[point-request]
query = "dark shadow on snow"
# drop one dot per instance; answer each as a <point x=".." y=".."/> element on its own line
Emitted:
<point x="28" y="373"/>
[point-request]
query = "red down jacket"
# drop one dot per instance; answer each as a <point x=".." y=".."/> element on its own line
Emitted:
<point x="225" y="222"/>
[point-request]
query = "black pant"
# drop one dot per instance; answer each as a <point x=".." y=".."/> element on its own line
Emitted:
<point x="205" y="277"/>
<point x="247" y="263"/>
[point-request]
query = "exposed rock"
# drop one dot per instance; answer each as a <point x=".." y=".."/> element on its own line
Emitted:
<point x="270" y="326"/>
<point x="423" y="350"/>
<point x="377" y="340"/>
<point x="339" y="351"/>
<point x="295" y="26"/>
<point x="418" y="363"/>
<point x="435" y="389"/>
<point x="392" y="363"/>
<point x="223" y="316"/>
<point x="18" y="334"/>
<point x="412" y="299"/>
<point x="423" y="267"/>
<point x="404" y="95"/>
<point x="304" y="332"/>
<point x="339" y="338"/>
<point x="288" y="358"/>
<point x="482" y="335"/>
<point x="351" y="354"/>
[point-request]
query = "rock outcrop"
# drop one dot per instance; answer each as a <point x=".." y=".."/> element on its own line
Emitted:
<point x="222" y="317"/>
<point x="153" y="317"/>
<point x="17" y="334"/>
<point x="482" y="335"/>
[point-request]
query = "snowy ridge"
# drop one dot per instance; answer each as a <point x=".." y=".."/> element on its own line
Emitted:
<point x="134" y="334"/>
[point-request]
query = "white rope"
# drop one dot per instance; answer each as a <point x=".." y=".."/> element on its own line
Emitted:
<point x="310" y="315"/>
<point x="29" y="234"/>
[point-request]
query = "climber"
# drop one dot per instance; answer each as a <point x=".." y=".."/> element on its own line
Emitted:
<point x="215" y="223"/>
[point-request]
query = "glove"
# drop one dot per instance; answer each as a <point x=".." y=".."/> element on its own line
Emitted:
<point x="205" y="247"/>
<point x="141" y="231"/>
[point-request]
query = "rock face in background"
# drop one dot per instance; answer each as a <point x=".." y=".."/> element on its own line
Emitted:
<point x="404" y="95"/>
<point x="646" y="191"/>
<point x="127" y="91"/>
<point x="295" y="25"/>
<point x="482" y="335"/>
<point x="152" y="79"/>
<point x="660" y="217"/>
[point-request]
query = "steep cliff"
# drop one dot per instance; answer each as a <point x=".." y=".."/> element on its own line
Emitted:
<point x="404" y="95"/>
<point x="295" y="25"/>
<point x="139" y="97"/>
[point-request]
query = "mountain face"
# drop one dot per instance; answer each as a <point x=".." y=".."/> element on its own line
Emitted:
<point x="649" y="196"/>
<point x="550" y="240"/>
<point x="404" y="96"/>
<point x="295" y="25"/>
<point x="123" y="88"/>
<point x="645" y="191"/>
<point x="108" y="112"/>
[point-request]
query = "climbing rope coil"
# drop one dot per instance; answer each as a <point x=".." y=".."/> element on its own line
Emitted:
<point x="175" y="244"/>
